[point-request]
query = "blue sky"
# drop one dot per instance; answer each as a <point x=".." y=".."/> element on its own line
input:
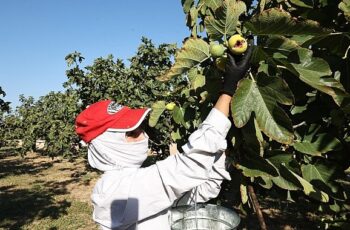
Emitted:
<point x="36" y="35"/>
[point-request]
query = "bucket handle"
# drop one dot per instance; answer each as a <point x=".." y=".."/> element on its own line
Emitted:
<point x="195" y="198"/>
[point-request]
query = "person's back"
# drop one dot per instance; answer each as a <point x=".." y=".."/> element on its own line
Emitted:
<point x="127" y="195"/>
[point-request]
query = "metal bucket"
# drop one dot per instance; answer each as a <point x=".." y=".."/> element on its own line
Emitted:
<point x="204" y="217"/>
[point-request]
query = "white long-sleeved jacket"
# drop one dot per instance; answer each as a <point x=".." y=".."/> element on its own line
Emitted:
<point x="139" y="198"/>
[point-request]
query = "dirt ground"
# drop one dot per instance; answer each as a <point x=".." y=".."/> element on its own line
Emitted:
<point x="37" y="192"/>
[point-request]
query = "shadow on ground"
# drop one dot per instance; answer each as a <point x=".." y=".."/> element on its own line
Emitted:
<point x="22" y="206"/>
<point x="12" y="165"/>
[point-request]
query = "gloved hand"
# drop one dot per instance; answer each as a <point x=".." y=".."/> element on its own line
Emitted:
<point x="236" y="68"/>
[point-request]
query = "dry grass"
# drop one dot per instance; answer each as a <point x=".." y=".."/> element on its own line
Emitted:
<point x="38" y="192"/>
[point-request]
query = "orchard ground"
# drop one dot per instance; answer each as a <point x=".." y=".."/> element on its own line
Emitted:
<point x="37" y="192"/>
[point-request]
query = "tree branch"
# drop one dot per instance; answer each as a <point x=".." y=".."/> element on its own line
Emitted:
<point x="257" y="208"/>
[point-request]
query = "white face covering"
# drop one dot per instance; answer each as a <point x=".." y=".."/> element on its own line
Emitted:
<point x="111" y="151"/>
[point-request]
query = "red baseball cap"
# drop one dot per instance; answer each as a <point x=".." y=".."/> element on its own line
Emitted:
<point x="107" y="115"/>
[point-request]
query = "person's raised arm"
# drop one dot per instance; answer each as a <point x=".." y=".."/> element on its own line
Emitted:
<point x="235" y="70"/>
<point x="202" y="159"/>
<point x="223" y="104"/>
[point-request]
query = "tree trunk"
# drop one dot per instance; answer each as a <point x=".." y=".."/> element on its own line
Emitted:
<point x="257" y="208"/>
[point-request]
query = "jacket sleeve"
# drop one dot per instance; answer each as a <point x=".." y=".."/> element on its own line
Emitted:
<point x="158" y="186"/>
<point x="210" y="188"/>
<point x="182" y="172"/>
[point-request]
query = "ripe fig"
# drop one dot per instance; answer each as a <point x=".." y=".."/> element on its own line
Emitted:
<point x="237" y="44"/>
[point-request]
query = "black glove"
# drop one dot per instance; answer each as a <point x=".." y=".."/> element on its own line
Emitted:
<point x="236" y="68"/>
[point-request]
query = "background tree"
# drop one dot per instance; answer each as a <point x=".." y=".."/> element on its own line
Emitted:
<point x="4" y="108"/>
<point x="134" y="85"/>
<point x="50" y="119"/>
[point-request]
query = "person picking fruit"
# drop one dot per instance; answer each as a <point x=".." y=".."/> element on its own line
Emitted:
<point x="130" y="197"/>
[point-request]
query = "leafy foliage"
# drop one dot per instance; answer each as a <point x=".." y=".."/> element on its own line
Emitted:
<point x="345" y="7"/>
<point x="292" y="112"/>
<point x="134" y="86"/>
<point x="4" y="106"/>
<point x="261" y="97"/>
<point x="50" y="119"/>
<point x="283" y="24"/>
<point x="224" y="21"/>
<point x="194" y="51"/>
